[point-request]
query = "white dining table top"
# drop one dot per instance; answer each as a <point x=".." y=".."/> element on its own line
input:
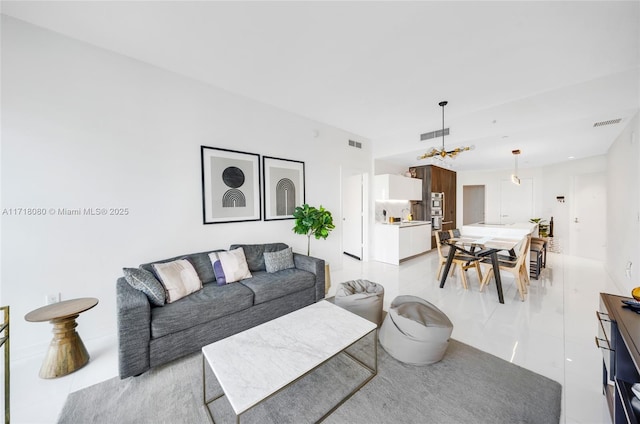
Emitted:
<point x="501" y="243"/>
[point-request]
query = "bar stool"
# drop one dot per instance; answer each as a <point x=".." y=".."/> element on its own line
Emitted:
<point x="538" y="255"/>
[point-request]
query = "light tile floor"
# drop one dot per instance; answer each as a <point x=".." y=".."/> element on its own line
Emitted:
<point x="551" y="332"/>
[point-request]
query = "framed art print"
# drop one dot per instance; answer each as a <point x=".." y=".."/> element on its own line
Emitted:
<point x="230" y="185"/>
<point x="283" y="181"/>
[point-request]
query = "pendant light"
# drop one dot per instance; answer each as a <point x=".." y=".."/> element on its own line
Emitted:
<point x="514" y="177"/>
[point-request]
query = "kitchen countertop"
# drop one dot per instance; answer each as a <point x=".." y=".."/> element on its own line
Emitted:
<point x="514" y="225"/>
<point x="405" y="223"/>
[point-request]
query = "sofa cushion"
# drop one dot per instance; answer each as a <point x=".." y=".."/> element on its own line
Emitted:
<point x="230" y="266"/>
<point x="211" y="302"/>
<point x="255" y="253"/>
<point x="200" y="262"/>
<point x="268" y="286"/>
<point x="277" y="261"/>
<point x="179" y="279"/>
<point x="146" y="282"/>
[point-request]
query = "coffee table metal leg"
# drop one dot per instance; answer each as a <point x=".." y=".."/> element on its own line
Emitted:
<point x="208" y="402"/>
<point x="373" y="371"/>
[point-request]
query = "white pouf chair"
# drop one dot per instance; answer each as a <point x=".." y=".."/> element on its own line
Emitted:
<point x="415" y="331"/>
<point x="362" y="297"/>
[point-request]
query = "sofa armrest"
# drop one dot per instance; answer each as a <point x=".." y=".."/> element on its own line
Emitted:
<point x="134" y="329"/>
<point x="314" y="266"/>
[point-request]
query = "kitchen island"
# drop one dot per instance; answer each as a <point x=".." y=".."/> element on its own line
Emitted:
<point x="398" y="241"/>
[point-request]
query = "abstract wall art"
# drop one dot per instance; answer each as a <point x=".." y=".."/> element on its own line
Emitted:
<point x="230" y="185"/>
<point x="283" y="187"/>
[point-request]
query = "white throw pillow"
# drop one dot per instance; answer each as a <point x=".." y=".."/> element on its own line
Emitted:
<point x="230" y="266"/>
<point x="179" y="278"/>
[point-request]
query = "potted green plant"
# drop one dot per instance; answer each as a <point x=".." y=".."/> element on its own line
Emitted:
<point x="312" y="221"/>
<point x="543" y="227"/>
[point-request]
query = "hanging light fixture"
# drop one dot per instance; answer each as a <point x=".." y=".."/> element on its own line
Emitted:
<point x="514" y="177"/>
<point x="442" y="154"/>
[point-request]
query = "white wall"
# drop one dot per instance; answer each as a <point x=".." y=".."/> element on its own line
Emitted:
<point x="384" y="167"/>
<point x="623" y="208"/>
<point x="86" y="128"/>
<point x="548" y="182"/>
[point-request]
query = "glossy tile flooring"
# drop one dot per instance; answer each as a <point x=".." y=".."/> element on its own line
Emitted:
<point x="551" y="332"/>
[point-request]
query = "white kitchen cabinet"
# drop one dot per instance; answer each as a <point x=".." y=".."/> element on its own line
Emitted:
<point x="397" y="187"/>
<point x="414" y="240"/>
<point x="395" y="242"/>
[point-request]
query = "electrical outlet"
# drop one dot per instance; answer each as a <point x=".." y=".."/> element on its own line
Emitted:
<point x="52" y="298"/>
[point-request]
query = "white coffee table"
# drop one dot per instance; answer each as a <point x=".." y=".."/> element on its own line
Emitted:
<point x="257" y="363"/>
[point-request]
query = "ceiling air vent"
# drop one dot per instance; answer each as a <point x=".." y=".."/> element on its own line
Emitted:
<point x="355" y="144"/>
<point x="609" y="122"/>
<point x="433" y="134"/>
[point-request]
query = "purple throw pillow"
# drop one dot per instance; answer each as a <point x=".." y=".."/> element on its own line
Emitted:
<point x="219" y="272"/>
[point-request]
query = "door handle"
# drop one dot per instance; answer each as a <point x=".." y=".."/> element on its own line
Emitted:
<point x="575" y="220"/>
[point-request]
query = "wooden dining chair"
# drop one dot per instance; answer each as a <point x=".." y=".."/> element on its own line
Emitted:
<point x="455" y="233"/>
<point x="443" y="251"/>
<point x="464" y="262"/>
<point x="517" y="268"/>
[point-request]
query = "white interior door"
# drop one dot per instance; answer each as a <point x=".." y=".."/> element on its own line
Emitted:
<point x="352" y="216"/>
<point x="587" y="224"/>
<point x="516" y="201"/>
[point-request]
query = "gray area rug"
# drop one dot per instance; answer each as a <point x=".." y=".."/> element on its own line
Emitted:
<point x="468" y="385"/>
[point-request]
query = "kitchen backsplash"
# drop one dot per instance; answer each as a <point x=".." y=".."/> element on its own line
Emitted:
<point x="395" y="208"/>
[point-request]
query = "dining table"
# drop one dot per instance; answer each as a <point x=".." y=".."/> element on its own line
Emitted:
<point x="480" y="247"/>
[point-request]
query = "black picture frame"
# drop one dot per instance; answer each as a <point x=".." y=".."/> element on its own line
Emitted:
<point x="283" y="187"/>
<point x="230" y="186"/>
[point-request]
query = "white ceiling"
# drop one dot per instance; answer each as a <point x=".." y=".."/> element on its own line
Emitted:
<point x="529" y="75"/>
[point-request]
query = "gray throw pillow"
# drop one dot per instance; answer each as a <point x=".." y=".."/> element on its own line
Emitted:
<point x="255" y="253"/>
<point x="147" y="283"/>
<point x="277" y="261"/>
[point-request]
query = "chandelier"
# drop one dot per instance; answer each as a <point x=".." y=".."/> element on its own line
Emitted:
<point x="444" y="153"/>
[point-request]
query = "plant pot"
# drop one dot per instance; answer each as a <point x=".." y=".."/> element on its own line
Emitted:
<point x="327" y="277"/>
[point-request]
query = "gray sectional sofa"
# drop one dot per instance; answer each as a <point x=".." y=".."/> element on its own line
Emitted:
<point x="150" y="335"/>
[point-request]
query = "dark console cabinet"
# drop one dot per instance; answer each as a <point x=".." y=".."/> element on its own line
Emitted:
<point x="619" y="339"/>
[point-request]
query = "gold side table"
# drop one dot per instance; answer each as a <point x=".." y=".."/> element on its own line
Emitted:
<point x="66" y="352"/>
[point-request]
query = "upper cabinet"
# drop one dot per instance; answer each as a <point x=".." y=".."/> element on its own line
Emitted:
<point x="397" y="187"/>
